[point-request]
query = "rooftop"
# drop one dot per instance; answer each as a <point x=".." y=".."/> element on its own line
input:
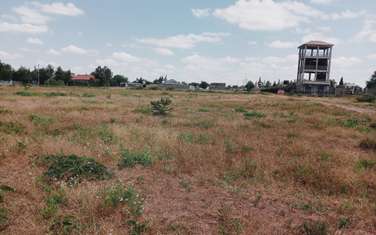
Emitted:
<point x="317" y="43"/>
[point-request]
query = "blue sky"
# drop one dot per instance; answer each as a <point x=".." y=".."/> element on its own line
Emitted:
<point x="224" y="40"/>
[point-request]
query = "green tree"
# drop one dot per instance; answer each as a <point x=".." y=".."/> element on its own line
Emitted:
<point x="61" y="75"/>
<point x="341" y="82"/>
<point x="372" y="82"/>
<point x="117" y="80"/>
<point x="249" y="86"/>
<point x="268" y="84"/>
<point x="204" y="85"/>
<point x="6" y="72"/>
<point x="103" y="75"/>
<point x="22" y="75"/>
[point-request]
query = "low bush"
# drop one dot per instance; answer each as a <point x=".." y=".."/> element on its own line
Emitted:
<point x="73" y="169"/>
<point x="118" y="195"/>
<point x="351" y="123"/>
<point x="53" y="200"/>
<point x="368" y="144"/>
<point x="26" y="93"/>
<point x="41" y="120"/>
<point x="131" y="159"/>
<point x="88" y="95"/>
<point x="11" y="127"/>
<point x="106" y="134"/>
<point x="365" y="164"/>
<point x="366" y="98"/>
<point x="314" y="228"/>
<point x="240" y="109"/>
<point x="253" y="114"/>
<point x="161" y="107"/>
<point x="3" y="218"/>
<point x="143" y="110"/>
<point x="65" y="225"/>
<point x="52" y="94"/>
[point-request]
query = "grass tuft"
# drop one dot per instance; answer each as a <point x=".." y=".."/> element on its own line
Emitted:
<point x="253" y="114"/>
<point x="131" y="159"/>
<point x="73" y="169"/>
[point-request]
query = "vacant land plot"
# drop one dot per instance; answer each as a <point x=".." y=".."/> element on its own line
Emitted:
<point x="97" y="161"/>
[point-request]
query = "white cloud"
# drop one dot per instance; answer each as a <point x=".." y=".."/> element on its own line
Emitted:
<point x="267" y="14"/>
<point x="372" y="56"/>
<point x="282" y="44"/>
<point x="9" y="56"/>
<point x="184" y="41"/>
<point x="22" y="28"/>
<point x="58" y="8"/>
<point x="53" y="52"/>
<point x="72" y="49"/>
<point x="35" y="41"/>
<point x="325" y="2"/>
<point x="347" y="14"/>
<point x="252" y="43"/>
<point x="164" y="51"/>
<point x="346" y="62"/>
<point x="368" y="32"/>
<point x="31" y="16"/>
<point x="320" y="36"/>
<point x="200" y="13"/>
<point x="125" y="57"/>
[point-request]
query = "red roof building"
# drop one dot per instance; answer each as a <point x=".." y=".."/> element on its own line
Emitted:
<point x="83" y="78"/>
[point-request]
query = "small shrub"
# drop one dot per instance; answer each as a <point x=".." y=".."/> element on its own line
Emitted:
<point x="53" y="94"/>
<point x="373" y="125"/>
<point x="3" y="218"/>
<point x="4" y="111"/>
<point x="366" y="98"/>
<point x="368" y="144"/>
<point x="240" y="109"/>
<point x="186" y="137"/>
<point x="118" y="195"/>
<point x="228" y="225"/>
<point x="73" y="169"/>
<point x="4" y="189"/>
<point x="41" y="120"/>
<point x="253" y="114"/>
<point x="65" y="225"/>
<point x="343" y="223"/>
<point x="137" y="228"/>
<point x="143" y="110"/>
<point x="203" y="110"/>
<point x="131" y="159"/>
<point x="26" y="93"/>
<point x="351" y="123"/>
<point x="365" y="164"/>
<point x="314" y="228"/>
<point x="11" y="127"/>
<point x="161" y="107"/>
<point x="88" y="95"/>
<point x="106" y="135"/>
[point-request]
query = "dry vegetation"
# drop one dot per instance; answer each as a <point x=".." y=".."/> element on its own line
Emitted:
<point x="97" y="161"/>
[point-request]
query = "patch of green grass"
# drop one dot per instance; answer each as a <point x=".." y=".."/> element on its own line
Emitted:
<point x="130" y="159"/>
<point x="106" y="134"/>
<point x="136" y="227"/>
<point x="26" y="93"/>
<point x="205" y="124"/>
<point x="253" y="114"/>
<point x="53" y="94"/>
<point x="53" y="200"/>
<point x="186" y="137"/>
<point x="351" y="123"/>
<point x="143" y="109"/>
<point x="324" y="156"/>
<point x="226" y="223"/>
<point x="240" y="109"/>
<point x="65" y="225"/>
<point x="41" y="120"/>
<point x="119" y="195"/>
<point x="314" y="228"/>
<point x="366" y="98"/>
<point x="73" y="169"/>
<point x="365" y="164"/>
<point x="3" y="218"/>
<point x="246" y="149"/>
<point x="11" y="127"/>
<point x="343" y="223"/>
<point x="88" y="95"/>
<point x="4" y="111"/>
<point x="203" y="110"/>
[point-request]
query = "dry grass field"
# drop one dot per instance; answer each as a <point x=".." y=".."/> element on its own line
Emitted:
<point x="97" y="161"/>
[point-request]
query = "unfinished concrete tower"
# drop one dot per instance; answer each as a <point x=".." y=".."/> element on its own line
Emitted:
<point x="315" y="58"/>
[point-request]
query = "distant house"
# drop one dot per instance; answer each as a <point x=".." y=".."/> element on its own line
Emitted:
<point x="173" y="84"/>
<point x="348" y="89"/>
<point x="82" y="79"/>
<point x="217" y="86"/>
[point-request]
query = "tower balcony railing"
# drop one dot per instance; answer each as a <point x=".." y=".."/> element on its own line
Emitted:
<point x="313" y="67"/>
<point x="316" y="56"/>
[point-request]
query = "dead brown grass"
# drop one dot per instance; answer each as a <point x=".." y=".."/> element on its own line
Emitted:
<point x="213" y="169"/>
